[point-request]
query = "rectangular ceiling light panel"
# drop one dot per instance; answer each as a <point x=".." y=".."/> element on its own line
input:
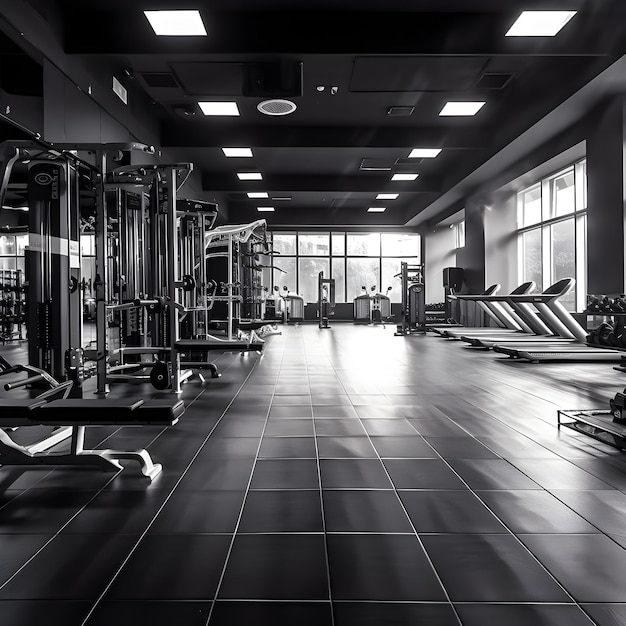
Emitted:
<point x="258" y="194"/>
<point x="387" y="196"/>
<point x="540" y="23"/>
<point x="424" y="153"/>
<point x="376" y="209"/>
<point x="461" y="108"/>
<point x="237" y="152"/>
<point x="176" y="23"/>
<point x="219" y="108"/>
<point x="249" y="176"/>
<point x="265" y="209"/>
<point x="404" y="176"/>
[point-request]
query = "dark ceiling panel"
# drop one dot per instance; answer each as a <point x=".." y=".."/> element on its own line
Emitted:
<point x="210" y="79"/>
<point x="391" y="74"/>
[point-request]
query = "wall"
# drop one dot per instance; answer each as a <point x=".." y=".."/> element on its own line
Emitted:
<point x="501" y="241"/>
<point x="439" y="252"/>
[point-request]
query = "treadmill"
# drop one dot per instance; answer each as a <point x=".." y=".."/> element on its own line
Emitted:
<point x="576" y="349"/>
<point x="536" y="310"/>
<point x="505" y="320"/>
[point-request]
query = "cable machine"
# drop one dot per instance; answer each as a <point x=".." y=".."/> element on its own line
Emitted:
<point x="325" y="300"/>
<point x="413" y="299"/>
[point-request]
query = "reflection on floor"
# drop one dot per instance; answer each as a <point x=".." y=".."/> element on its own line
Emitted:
<point x="344" y="477"/>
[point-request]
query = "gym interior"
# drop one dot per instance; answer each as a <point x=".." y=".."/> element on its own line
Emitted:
<point x="235" y="398"/>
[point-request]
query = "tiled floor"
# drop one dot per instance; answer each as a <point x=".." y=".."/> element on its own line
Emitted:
<point x="345" y="477"/>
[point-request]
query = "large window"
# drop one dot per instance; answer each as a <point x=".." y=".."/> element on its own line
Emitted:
<point x="552" y="232"/>
<point x="354" y="260"/>
<point x="12" y="251"/>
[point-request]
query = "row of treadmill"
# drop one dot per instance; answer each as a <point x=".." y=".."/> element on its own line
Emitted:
<point x="529" y="325"/>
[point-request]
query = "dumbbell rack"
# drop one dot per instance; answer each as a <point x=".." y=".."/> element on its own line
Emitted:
<point x="596" y="424"/>
<point x="12" y="305"/>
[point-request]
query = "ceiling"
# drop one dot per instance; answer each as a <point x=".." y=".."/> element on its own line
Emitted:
<point x="393" y="65"/>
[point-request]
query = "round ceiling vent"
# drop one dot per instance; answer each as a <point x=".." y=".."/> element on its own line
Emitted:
<point x="276" y="107"/>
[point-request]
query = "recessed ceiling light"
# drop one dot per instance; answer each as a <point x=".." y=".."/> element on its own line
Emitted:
<point x="461" y="108"/>
<point x="540" y="23"/>
<point x="404" y="176"/>
<point x="387" y="196"/>
<point x="249" y="176"/>
<point x="282" y="198"/>
<point x="376" y="209"/>
<point x="424" y="153"/>
<point x="176" y="23"/>
<point x="265" y="209"/>
<point x="237" y="152"/>
<point x="257" y="194"/>
<point x="219" y="108"/>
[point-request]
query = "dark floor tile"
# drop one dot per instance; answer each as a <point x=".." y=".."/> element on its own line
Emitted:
<point x="490" y="568"/>
<point x="285" y="474"/>
<point x="282" y="512"/>
<point x="607" y="614"/>
<point x="49" y="612"/>
<point x="389" y="428"/>
<point x="276" y="567"/>
<point x="422" y="474"/>
<point x="155" y="613"/>
<point x="460" y="448"/>
<point x="199" y="512"/>
<point x="390" y="567"/>
<point x="364" y="512"/>
<point x="172" y="567"/>
<point x="393" y="614"/>
<point x="517" y="447"/>
<point x="353" y="474"/>
<point x="345" y="447"/>
<point x="230" y="448"/>
<point x="449" y="512"/>
<point x="271" y="613"/>
<point x="80" y="478"/>
<point x="339" y="427"/>
<point x="535" y="511"/>
<point x="602" y="508"/>
<point x="523" y="615"/>
<point x="217" y="474"/>
<point x="289" y="428"/>
<point x="294" y="400"/>
<point x="491" y="474"/>
<point x="559" y="474"/>
<point x="58" y="572"/>
<point x="610" y="470"/>
<point x="288" y="448"/>
<point x="332" y="400"/>
<point x="291" y="411"/>
<point x="334" y="411"/>
<point x="39" y="511"/>
<point x="239" y="427"/>
<point x="117" y="511"/>
<point x="591" y="567"/>
<point x="403" y="447"/>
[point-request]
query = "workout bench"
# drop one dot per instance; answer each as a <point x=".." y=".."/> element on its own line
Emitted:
<point x="71" y="416"/>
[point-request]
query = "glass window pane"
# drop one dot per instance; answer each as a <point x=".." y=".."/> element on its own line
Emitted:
<point x="459" y="234"/>
<point x="7" y="263"/>
<point x="87" y="245"/>
<point x="584" y="177"/>
<point x="284" y="273"/>
<point x="562" y="238"/>
<point x="363" y="244"/>
<point x="308" y="273"/>
<point x="531" y="257"/>
<point x="531" y="205"/>
<point x="562" y="194"/>
<point x="362" y="272"/>
<point x="7" y="244"/>
<point x="390" y="271"/>
<point x="284" y="243"/>
<point x="338" y="270"/>
<point x="21" y="241"/>
<point x="313" y="244"/>
<point x="339" y="244"/>
<point x="400" y="245"/>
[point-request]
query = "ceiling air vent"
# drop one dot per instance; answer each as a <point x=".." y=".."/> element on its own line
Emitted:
<point x="159" y="80"/>
<point x="276" y="107"/>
